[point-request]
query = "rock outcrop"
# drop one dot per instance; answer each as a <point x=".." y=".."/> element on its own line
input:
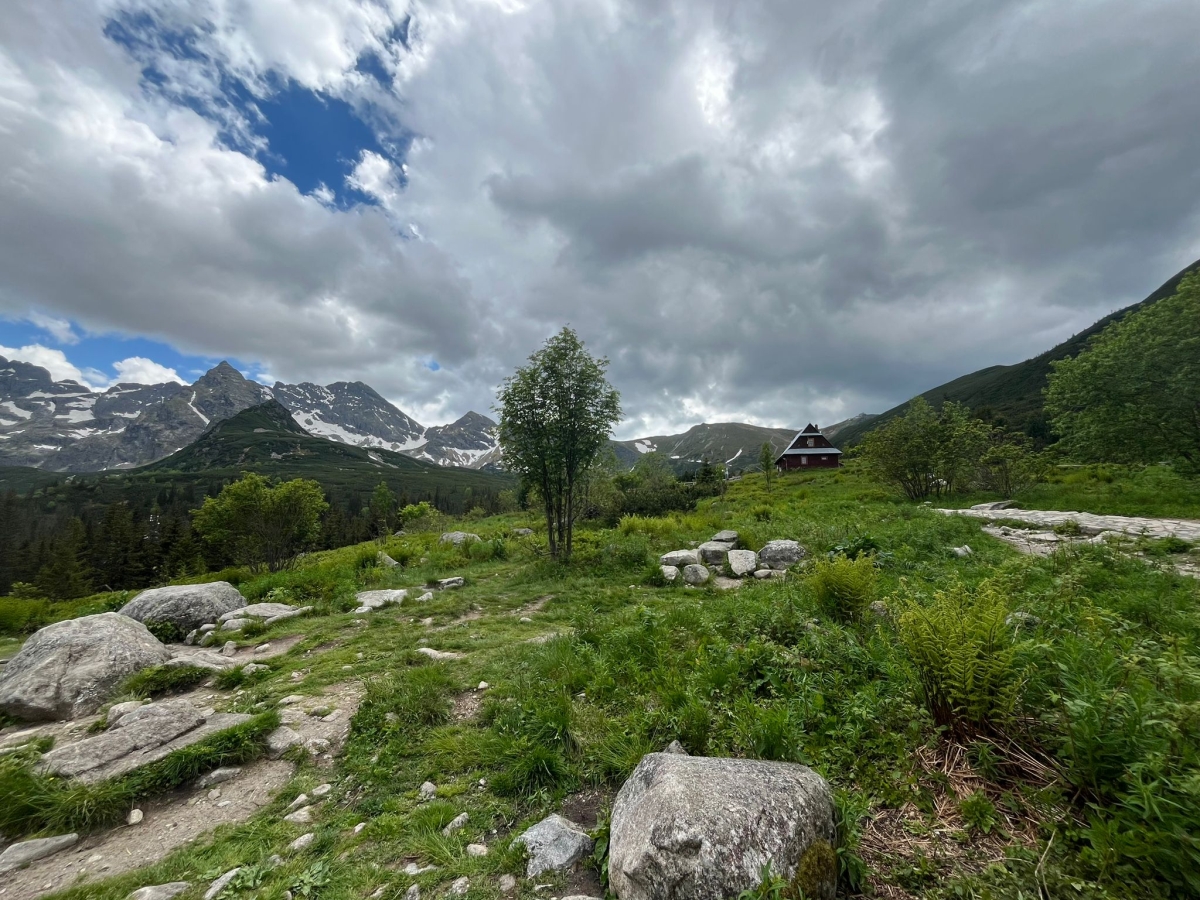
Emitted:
<point x="458" y="537"/>
<point x="186" y="606"/>
<point x="70" y="668"/>
<point x="698" y="828"/>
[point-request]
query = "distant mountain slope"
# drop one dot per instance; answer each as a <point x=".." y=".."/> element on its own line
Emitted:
<point x="724" y="442"/>
<point x="266" y="439"/>
<point x="1012" y="395"/>
<point x="63" y="426"/>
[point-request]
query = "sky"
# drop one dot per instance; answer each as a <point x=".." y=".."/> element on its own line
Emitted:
<point x="768" y="211"/>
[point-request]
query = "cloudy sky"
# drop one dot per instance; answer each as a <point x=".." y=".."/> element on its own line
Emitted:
<point x="775" y="211"/>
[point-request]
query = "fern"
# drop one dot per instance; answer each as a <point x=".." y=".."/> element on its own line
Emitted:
<point x="965" y="657"/>
<point x="843" y="586"/>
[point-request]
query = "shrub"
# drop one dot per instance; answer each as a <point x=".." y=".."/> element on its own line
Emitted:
<point x="844" y="587"/>
<point x="965" y="656"/>
<point x="167" y="632"/>
<point x="978" y="812"/>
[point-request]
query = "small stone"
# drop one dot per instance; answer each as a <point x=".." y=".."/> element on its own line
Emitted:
<point x="359" y="827"/>
<point x="456" y="824"/>
<point x="476" y="850"/>
<point x="962" y="552"/>
<point x="302" y="816"/>
<point x="525" y="619"/>
<point x="291" y="699"/>
<point x="159" y="891"/>
<point x="508" y="884"/>
<point x="281" y="740"/>
<point x="438" y="655"/>
<point x="221" y="883"/>
<point x="428" y="790"/>
<point x="676" y="748"/>
<point x="299" y="801"/>
<point x="425" y="597"/>
<point x="230" y="648"/>
<point x="460" y="887"/>
<point x="483" y="686"/>
<point x="322" y="789"/>
<point x="414" y="870"/>
<point x="214" y="794"/>
<point x="725" y="537"/>
<point x="262" y="648"/>
<point x="302" y="842"/>
<point x="448" y="584"/>
<point x="274" y="860"/>
<point x="413" y="892"/>
<point x="222" y="804"/>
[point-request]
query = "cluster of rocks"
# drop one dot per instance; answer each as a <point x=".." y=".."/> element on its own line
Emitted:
<point x="720" y="555"/>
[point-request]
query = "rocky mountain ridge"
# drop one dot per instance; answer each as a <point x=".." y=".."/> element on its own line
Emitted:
<point x="63" y="426"/>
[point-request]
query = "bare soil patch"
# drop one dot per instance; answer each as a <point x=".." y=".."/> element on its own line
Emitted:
<point x="170" y="821"/>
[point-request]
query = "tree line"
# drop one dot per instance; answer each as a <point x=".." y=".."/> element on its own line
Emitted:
<point x="71" y="540"/>
<point x="1132" y="395"/>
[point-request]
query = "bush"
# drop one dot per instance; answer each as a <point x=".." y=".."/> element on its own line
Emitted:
<point x="844" y="587"/>
<point x="167" y="632"/>
<point x="965" y="656"/>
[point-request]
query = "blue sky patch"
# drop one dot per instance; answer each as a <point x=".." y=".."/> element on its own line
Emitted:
<point x="311" y="139"/>
<point x="100" y="351"/>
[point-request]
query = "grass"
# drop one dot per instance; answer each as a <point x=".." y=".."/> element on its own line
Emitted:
<point x="968" y="760"/>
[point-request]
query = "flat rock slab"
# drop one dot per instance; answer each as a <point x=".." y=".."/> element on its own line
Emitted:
<point x="25" y="852"/>
<point x="259" y="611"/>
<point x="1089" y="523"/>
<point x="170" y="821"/>
<point x="369" y="600"/>
<point x="139" y="738"/>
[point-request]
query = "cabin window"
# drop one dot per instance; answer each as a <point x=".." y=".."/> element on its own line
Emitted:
<point x="812" y="442"/>
<point x="804" y="460"/>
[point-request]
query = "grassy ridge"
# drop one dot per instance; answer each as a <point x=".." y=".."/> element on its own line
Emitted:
<point x="1013" y="394"/>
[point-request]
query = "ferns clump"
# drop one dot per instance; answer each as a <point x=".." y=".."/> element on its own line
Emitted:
<point x="844" y="587"/>
<point x="965" y="656"/>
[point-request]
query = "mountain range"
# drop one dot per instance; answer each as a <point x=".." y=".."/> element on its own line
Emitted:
<point x="63" y="426"/>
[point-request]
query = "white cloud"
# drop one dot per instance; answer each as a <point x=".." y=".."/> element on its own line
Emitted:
<point x="59" y="329"/>
<point x="139" y="370"/>
<point x="53" y="361"/>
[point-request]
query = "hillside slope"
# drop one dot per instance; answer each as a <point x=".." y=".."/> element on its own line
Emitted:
<point x="1012" y="395"/>
<point x="725" y="442"/>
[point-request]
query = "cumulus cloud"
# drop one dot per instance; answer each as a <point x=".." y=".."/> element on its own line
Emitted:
<point x="52" y="360"/>
<point x="139" y="370"/>
<point x="777" y="212"/>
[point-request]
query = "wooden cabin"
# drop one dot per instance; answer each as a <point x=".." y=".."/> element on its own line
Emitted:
<point x="810" y="449"/>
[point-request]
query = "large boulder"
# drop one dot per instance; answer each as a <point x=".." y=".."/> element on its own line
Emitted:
<point x="70" y="668"/>
<point x="698" y="828"/>
<point x="742" y="562"/>
<point x="780" y="555"/>
<point x="458" y="537"/>
<point x="186" y="606"/>
<point x="713" y="553"/>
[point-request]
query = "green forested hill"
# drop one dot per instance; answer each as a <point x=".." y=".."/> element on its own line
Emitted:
<point x="1012" y="395"/>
